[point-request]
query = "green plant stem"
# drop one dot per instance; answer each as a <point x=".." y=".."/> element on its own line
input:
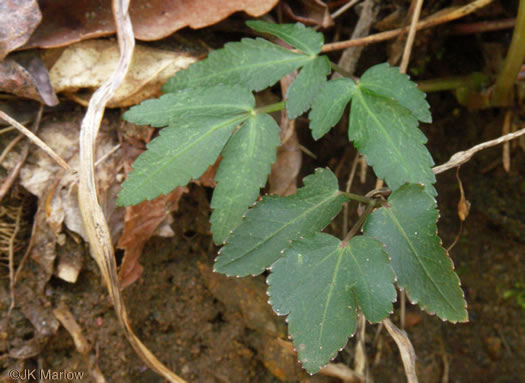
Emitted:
<point x="360" y="198"/>
<point x="474" y="81"/>
<point x="358" y="224"/>
<point x="341" y="71"/>
<point x="502" y="95"/>
<point x="271" y="108"/>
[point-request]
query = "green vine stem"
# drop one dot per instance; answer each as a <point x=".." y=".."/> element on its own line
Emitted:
<point x="271" y="108"/>
<point x="502" y="95"/>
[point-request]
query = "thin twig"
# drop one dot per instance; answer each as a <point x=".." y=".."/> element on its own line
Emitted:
<point x="10" y="147"/>
<point x="347" y="189"/>
<point x="12" y="259"/>
<point x="460" y="158"/>
<point x="37" y="141"/>
<point x="429" y="22"/>
<point x="411" y="37"/>
<point x="344" y="8"/>
<point x="92" y="215"/>
<point x="13" y="174"/>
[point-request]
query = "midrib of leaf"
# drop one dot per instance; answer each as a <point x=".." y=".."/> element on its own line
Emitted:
<point x="416" y="254"/>
<point x="385" y="131"/>
<point x="251" y="150"/>
<point x="260" y="243"/>
<point x="360" y="272"/>
<point x="238" y="119"/>
<point x="305" y="279"/>
<point x="330" y="293"/>
<point x="255" y="66"/>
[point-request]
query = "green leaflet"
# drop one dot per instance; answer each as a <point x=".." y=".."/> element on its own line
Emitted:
<point x="320" y="282"/>
<point x="246" y="163"/>
<point x="252" y="63"/>
<point x="193" y="106"/>
<point x="270" y="226"/>
<point x="329" y="106"/>
<point x="297" y="35"/>
<point x="408" y="229"/>
<point x="388" y="82"/>
<point x="306" y="86"/>
<point x="387" y="134"/>
<point x="171" y="159"/>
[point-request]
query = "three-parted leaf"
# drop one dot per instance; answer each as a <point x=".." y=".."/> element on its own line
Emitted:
<point x="193" y="106"/>
<point x="270" y="226"/>
<point x="297" y="35"/>
<point x="329" y="106"/>
<point x="320" y="282"/>
<point x="423" y="268"/>
<point x="252" y="63"/>
<point x="386" y="131"/>
<point x="306" y="86"/>
<point x="171" y="159"/>
<point x="246" y="163"/>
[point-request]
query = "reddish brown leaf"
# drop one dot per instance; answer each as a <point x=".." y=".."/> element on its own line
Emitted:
<point x="309" y="12"/>
<point x="283" y="176"/>
<point x="65" y="22"/>
<point x="31" y="81"/>
<point x="19" y="20"/>
<point x="141" y="221"/>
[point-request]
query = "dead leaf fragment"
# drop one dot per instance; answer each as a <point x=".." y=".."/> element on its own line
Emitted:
<point x="64" y="23"/>
<point x="141" y="222"/>
<point x="19" y="20"/>
<point x="88" y="64"/>
<point x="31" y="81"/>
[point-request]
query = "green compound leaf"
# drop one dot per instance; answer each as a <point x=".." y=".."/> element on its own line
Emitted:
<point x="192" y="106"/>
<point x="171" y="158"/>
<point x="297" y="35"/>
<point x="252" y="63"/>
<point x="246" y="163"/>
<point x="423" y="268"/>
<point x="387" y="134"/>
<point x="329" y="106"/>
<point x="388" y="82"/>
<point x="320" y="282"/>
<point x="270" y="226"/>
<point x="306" y="86"/>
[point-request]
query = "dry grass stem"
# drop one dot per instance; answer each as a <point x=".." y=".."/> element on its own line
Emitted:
<point x="462" y="157"/>
<point x="92" y="215"/>
<point x="411" y="36"/>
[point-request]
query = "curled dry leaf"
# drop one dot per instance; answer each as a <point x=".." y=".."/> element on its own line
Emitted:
<point x="310" y="12"/>
<point x="19" y="20"/>
<point x="283" y="176"/>
<point x="141" y="223"/>
<point x="64" y="23"/>
<point x="29" y="81"/>
<point x="88" y="64"/>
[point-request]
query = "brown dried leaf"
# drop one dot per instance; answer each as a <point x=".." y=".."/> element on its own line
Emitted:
<point x="283" y="176"/>
<point x="64" y="23"/>
<point x="310" y="12"/>
<point x="29" y="81"/>
<point x="57" y="191"/>
<point x="141" y="222"/>
<point x="88" y="64"/>
<point x="19" y="20"/>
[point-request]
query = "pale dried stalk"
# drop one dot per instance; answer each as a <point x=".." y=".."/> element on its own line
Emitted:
<point x="431" y="21"/>
<point x="460" y="158"/>
<point x="411" y="37"/>
<point x="94" y="222"/>
<point x="408" y="355"/>
<point x="41" y="144"/>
